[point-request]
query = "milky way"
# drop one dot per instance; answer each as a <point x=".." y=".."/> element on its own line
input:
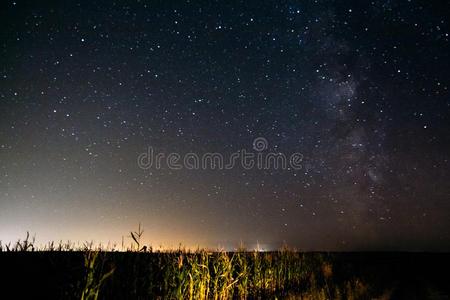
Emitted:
<point x="360" y="89"/>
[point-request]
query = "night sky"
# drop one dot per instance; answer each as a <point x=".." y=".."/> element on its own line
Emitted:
<point x="360" y="89"/>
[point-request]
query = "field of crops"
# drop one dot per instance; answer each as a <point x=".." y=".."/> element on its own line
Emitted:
<point x="63" y="271"/>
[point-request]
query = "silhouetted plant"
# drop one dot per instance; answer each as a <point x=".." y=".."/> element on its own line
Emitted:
<point x="136" y="236"/>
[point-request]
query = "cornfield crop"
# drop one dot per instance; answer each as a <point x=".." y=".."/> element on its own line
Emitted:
<point x="91" y="272"/>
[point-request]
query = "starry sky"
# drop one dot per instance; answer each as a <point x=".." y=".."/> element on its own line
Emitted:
<point x="359" y="88"/>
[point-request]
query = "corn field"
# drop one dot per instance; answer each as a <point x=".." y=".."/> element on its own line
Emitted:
<point x="70" y="271"/>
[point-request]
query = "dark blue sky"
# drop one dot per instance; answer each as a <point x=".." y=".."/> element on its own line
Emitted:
<point x="359" y="88"/>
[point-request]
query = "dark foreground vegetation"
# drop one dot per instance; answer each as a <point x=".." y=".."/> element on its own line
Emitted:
<point x="64" y="273"/>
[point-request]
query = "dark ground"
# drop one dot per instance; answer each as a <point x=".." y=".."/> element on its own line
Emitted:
<point x="401" y="275"/>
